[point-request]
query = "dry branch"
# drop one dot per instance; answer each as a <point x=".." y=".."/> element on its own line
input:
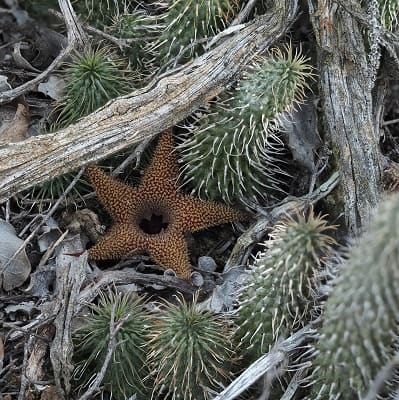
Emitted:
<point x="71" y="272"/>
<point x="348" y="109"/>
<point x="268" y="362"/>
<point x="128" y="119"/>
<point x="290" y="206"/>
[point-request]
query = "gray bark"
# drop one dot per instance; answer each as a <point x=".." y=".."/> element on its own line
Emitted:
<point x="350" y="130"/>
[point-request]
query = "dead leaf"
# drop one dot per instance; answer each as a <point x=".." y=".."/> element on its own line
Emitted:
<point x="19" y="312"/>
<point x="303" y="137"/>
<point x="85" y="221"/>
<point x="14" y="273"/>
<point x="16" y="130"/>
<point x="53" y="87"/>
<point x="4" y="85"/>
<point x="42" y="282"/>
<point x="225" y="295"/>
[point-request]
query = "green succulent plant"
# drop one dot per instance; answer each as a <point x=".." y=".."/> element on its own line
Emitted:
<point x="191" y="351"/>
<point x="144" y="29"/>
<point x="187" y="21"/>
<point x="281" y="291"/>
<point x="100" y="12"/>
<point x="389" y="13"/>
<point x="91" y="79"/>
<point x="128" y="368"/>
<point x="360" y="321"/>
<point x="233" y="152"/>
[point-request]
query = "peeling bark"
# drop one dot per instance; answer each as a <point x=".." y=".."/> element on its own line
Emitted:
<point x="348" y="110"/>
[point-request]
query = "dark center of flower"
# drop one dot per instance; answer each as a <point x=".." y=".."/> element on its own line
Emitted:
<point x="154" y="224"/>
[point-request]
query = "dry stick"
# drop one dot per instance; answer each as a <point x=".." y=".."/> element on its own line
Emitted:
<point x="71" y="273"/>
<point x="24" y="331"/>
<point x="113" y="330"/>
<point x="390" y="122"/>
<point x="119" y="42"/>
<point x="289" y="206"/>
<point x="143" y="113"/>
<point x="73" y="39"/>
<point x="244" y="13"/>
<point x="75" y="30"/>
<point x="11" y="94"/>
<point x="268" y="362"/>
<point x="136" y="155"/>
<point x="24" y="379"/>
<point x="128" y="276"/>
<point x="45" y="219"/>
<point x="51" y="249"/>
<point x="294" y="384"/>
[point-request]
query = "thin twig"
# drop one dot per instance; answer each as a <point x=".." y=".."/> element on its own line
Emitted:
<point x="244" y="13"/>
<point x="289" y="206"/>
<point x="45" y="219"/>
<point x="119" y="42"/>
<point x="24" y="330"/>
<point x="113" y="330"/>
<point x="73" y="39"/>
<point x="294" y="384"/>
<point x="268" y="362"/>
<point x="135" y="156"/>
<point x="24" y="379"/>
<point x="51" y="249"/>
<point x="128" y="276"/>
<point x="390" y="122"/>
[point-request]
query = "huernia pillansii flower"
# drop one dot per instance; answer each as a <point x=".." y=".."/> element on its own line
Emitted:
<point x="234" y="152"/>
<point x="282" y="289"/>
<point x="155" y="216"/>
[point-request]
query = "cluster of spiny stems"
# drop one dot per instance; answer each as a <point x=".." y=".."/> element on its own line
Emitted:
<point x="176" y="351"/>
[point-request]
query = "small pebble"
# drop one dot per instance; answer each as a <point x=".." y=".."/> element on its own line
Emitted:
<point x="197" y="279"/>
<point x="207" y="264"/>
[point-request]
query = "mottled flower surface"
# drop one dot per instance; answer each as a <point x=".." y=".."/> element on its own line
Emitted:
<point x="154" y="216"/>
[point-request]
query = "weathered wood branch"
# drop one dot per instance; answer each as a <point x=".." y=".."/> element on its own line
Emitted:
<point x="279" y="354"/>
<point x="348" y="109"/>
<point x="128" y="119"/>
<point x="290" y="206"/>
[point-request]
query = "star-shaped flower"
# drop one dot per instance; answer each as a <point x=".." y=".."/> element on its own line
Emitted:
<point x="154" y="217"/>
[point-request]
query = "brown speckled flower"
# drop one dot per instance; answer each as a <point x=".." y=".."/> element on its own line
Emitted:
<point x="154" y="216"/>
